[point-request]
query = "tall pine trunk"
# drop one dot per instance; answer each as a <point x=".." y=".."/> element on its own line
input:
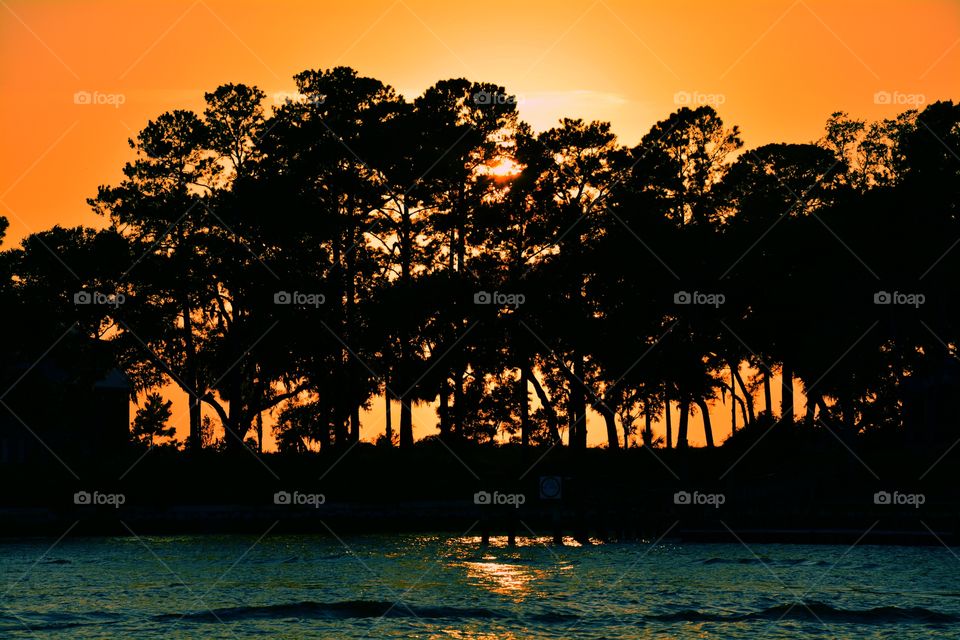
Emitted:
<point x="748" y="399"/>
<point x="812" y="399"/>
<point x="444" y="410"/>
<point x="406" y="424"/>
<point x="196" y="411"/>
<point x="733" y="401"/>
<point x="610" y="419"/>
<point x="684" y="422"/>
<point x="707" y="426"/>
<point x="553" y="420"/>
<point x="388" y="418"/>
<point x="406" y="256"/>
<point x="524" y="399"/>
<point x="767" y="395"/>
<point x="578" y="408"/>
<point x="669" y="420"/>
<point x="786" y="397"/>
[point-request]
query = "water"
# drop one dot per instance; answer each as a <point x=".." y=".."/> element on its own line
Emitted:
<point x="438" y="586"/>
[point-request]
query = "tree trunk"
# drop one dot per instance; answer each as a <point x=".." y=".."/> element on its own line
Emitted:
<point x="578" y="406"/>
<point x="812" y="401"/>
<point x="355" y="423"/>
<point x="444" y="410"/>
<point x="747" y="397"/>
<point x="707" y="426"/>
<point x="406" y="254"/>
<point x="324" y="412"/>
<point x="388" y="418"/>
<point x="824" y="411"/>
<point x="340" y="429"/>
<point x="195" y="439"/>
<point x="669" y="419"/>
<point x="260" y="432"/>
<point x="786" y="397"/>
<point x="524" y="406"/>
<point x="196" y="418"/>
<point x="849" y="417"/>
<point x="406" y="424"/>
<point x="553" y="420"/>
<point x="743" y="410"/>
<point x="733" y="401"/>
<point x="457" y="412"/>
<point x="610" y="419"/>
<point x="767" y="395"/>
<point x="647" y="426"/>
<point x="684" y="422"/>
<point x="355" y="377"/>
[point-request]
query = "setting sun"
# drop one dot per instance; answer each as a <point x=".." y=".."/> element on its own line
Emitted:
<point x="503" y="167"/>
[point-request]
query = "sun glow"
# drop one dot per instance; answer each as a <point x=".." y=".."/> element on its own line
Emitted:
<point x="503" y="167"/>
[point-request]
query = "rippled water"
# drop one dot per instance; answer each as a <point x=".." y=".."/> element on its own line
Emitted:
<point x="437" y="586"/>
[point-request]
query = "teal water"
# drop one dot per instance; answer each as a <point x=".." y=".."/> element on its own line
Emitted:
<point x="438" y="586"/>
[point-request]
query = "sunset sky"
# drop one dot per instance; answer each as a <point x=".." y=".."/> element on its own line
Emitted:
<point x="776" y="68"/>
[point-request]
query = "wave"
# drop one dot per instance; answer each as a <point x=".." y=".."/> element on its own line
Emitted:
<point x="736" y="561"/>
<point x="57" y="621"/>
<point x="344" y="609"/>
<point x="817" y="612"/>
<point x="786" y="562"/>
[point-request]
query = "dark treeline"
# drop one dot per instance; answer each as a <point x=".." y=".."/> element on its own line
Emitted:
<point x="307" y="258"/>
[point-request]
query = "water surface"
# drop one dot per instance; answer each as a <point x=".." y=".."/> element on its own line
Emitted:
<point x="439" y="586"/>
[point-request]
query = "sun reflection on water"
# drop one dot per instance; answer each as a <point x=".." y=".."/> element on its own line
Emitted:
<point x="504" y="578"/>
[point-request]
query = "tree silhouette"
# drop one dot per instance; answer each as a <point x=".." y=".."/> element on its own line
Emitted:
<point x="306" y="258"/>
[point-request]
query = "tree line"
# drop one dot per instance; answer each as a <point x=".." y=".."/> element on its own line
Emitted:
<point x="308" y="257"/>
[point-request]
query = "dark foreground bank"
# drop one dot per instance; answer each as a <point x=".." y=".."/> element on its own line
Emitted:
<point x="775" y="489"/>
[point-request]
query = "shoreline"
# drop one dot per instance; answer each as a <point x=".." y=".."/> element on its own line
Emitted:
<point x="449" y="517"/>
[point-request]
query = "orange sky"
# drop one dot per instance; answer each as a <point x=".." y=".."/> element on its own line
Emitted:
<point x="776" y="68"/>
